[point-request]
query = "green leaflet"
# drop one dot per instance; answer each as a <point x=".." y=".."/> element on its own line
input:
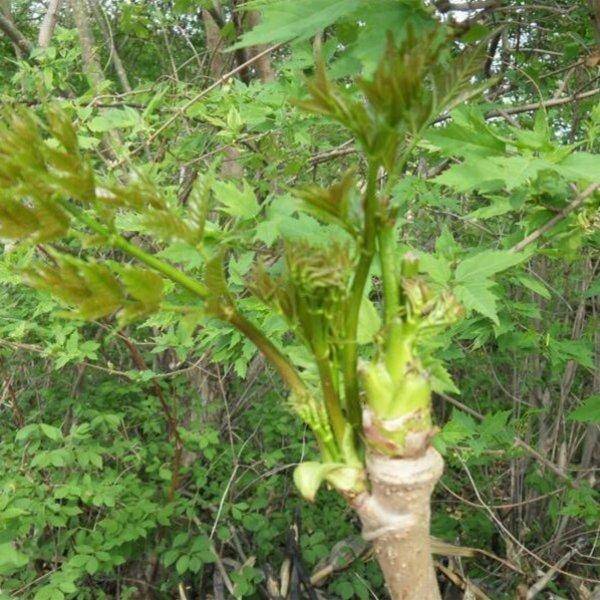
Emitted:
<point x="11" y="559"/>
<point x="235" y="202"/>
<point x="588" y="411"/>
<point x="115" y="118"/>
<point x="472" y="284"/>
<point x="285" y="20"/>
<point x="485" y="264"/>
<point x="369" y="322"/>
<point x="535" y="285"/>
<point x="476" y="295"/>
<point x="580" y="165"/>
<point x="467" y="134"/>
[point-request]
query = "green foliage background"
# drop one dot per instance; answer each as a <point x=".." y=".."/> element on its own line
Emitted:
<point x="127" y="479"/>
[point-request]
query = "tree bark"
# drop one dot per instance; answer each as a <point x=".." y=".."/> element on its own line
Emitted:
<point x="91" y="66"/>
<point x="218" y="65"/>
<point x="263" y="64"/>
<point x="11" y="31"/>
<point x="595" y="15"/>
<point x="49" y="23"/>
<point x="396" y="515"/>
<point x="114" y="54"/>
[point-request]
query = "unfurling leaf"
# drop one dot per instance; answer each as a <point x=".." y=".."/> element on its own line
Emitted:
<point x="331" y="204"/>
<point x="216" y="283"/>
<point x="94" y="290"/>
<point x="145" y="289"/>
<point x="309" y="476"/>
<point x="37" y="221"/>
<point x="329" y="100"/>
<point x="34" y="167"/>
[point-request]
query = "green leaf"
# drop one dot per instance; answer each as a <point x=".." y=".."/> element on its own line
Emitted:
<point x="369" y="322"/>
<point x="588" y="412"/>
<point x="476" y="295"/>
<point x="182" y="564"/>
<point x="54" y="433"/>
<point x="114" y="118"/>
<point x="285" y="20"/>
<point x="534" y="285"/>
<point x="437" y="267"/>
<point x="580" y="165"/>
<point x="184" y="253"/>
<point x="10" y="558"/>
<point x="467" y="134"/>
<point x="485" y="264"/>
<point x="502" y="172"/>
<point x="235" y="202"/>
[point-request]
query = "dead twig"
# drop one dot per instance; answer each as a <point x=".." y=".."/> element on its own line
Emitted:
<point x="543" y="581"/>
<point x="565" y="212"/>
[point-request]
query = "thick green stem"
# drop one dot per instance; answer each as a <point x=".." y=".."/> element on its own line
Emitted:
<point x="391" y="295"/>
<point x="356" y="296"/>
<point x="330" y="395"/>
<point x="314" y="331"/>
<point x="284" y="367"/>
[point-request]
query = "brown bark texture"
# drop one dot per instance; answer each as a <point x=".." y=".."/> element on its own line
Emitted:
<point x="219" y="64"/>
<point x="8" y="27"/>
<point x="396" y="515"/>
<point x="114" y="54"/>
<point x="49" y="23"/>
<point x="263" y="64"/>
<point x="91" y="66"/>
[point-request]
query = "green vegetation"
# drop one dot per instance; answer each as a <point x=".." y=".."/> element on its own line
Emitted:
<point x="278" y="240"/>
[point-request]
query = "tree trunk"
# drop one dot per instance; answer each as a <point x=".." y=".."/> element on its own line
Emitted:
<point x="218" y="62"/>
<point x="7" y="25"/>
<point x="263" y="64"/>
<point x="91" y="66"/>
<point x="114" y="54"/>
<point x="395" y="516"/>
<point x="218" y="66"/>
<point x="49" y="23"/>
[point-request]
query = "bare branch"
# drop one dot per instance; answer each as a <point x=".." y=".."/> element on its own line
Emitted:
<point x="91" y="66"/>
<point x="14" y="35"/>
<point x="566" y="211"/>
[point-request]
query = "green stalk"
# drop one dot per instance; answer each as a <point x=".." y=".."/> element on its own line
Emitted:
<point x="356" y="294"/>
<point x="278" y="360"/>
<point x="391" y="301"/>
<point x="118" y="241"/>
<point x="314" y="333"/>
<point x="321" y="352"/>
<point x="391" y="295"/>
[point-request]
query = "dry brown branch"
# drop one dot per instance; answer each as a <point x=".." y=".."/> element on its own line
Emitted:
<point x="14" y="35"/>
<point x="565" y="212"/>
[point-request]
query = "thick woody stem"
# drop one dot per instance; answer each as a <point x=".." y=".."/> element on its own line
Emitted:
<point x="396" y="516"/>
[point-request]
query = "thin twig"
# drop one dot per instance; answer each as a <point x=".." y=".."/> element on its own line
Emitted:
<point x="517" y="442"/>
<point x="565" y="212"/>
<point x="181" y="111"/>
<point x="513" y="539"/>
